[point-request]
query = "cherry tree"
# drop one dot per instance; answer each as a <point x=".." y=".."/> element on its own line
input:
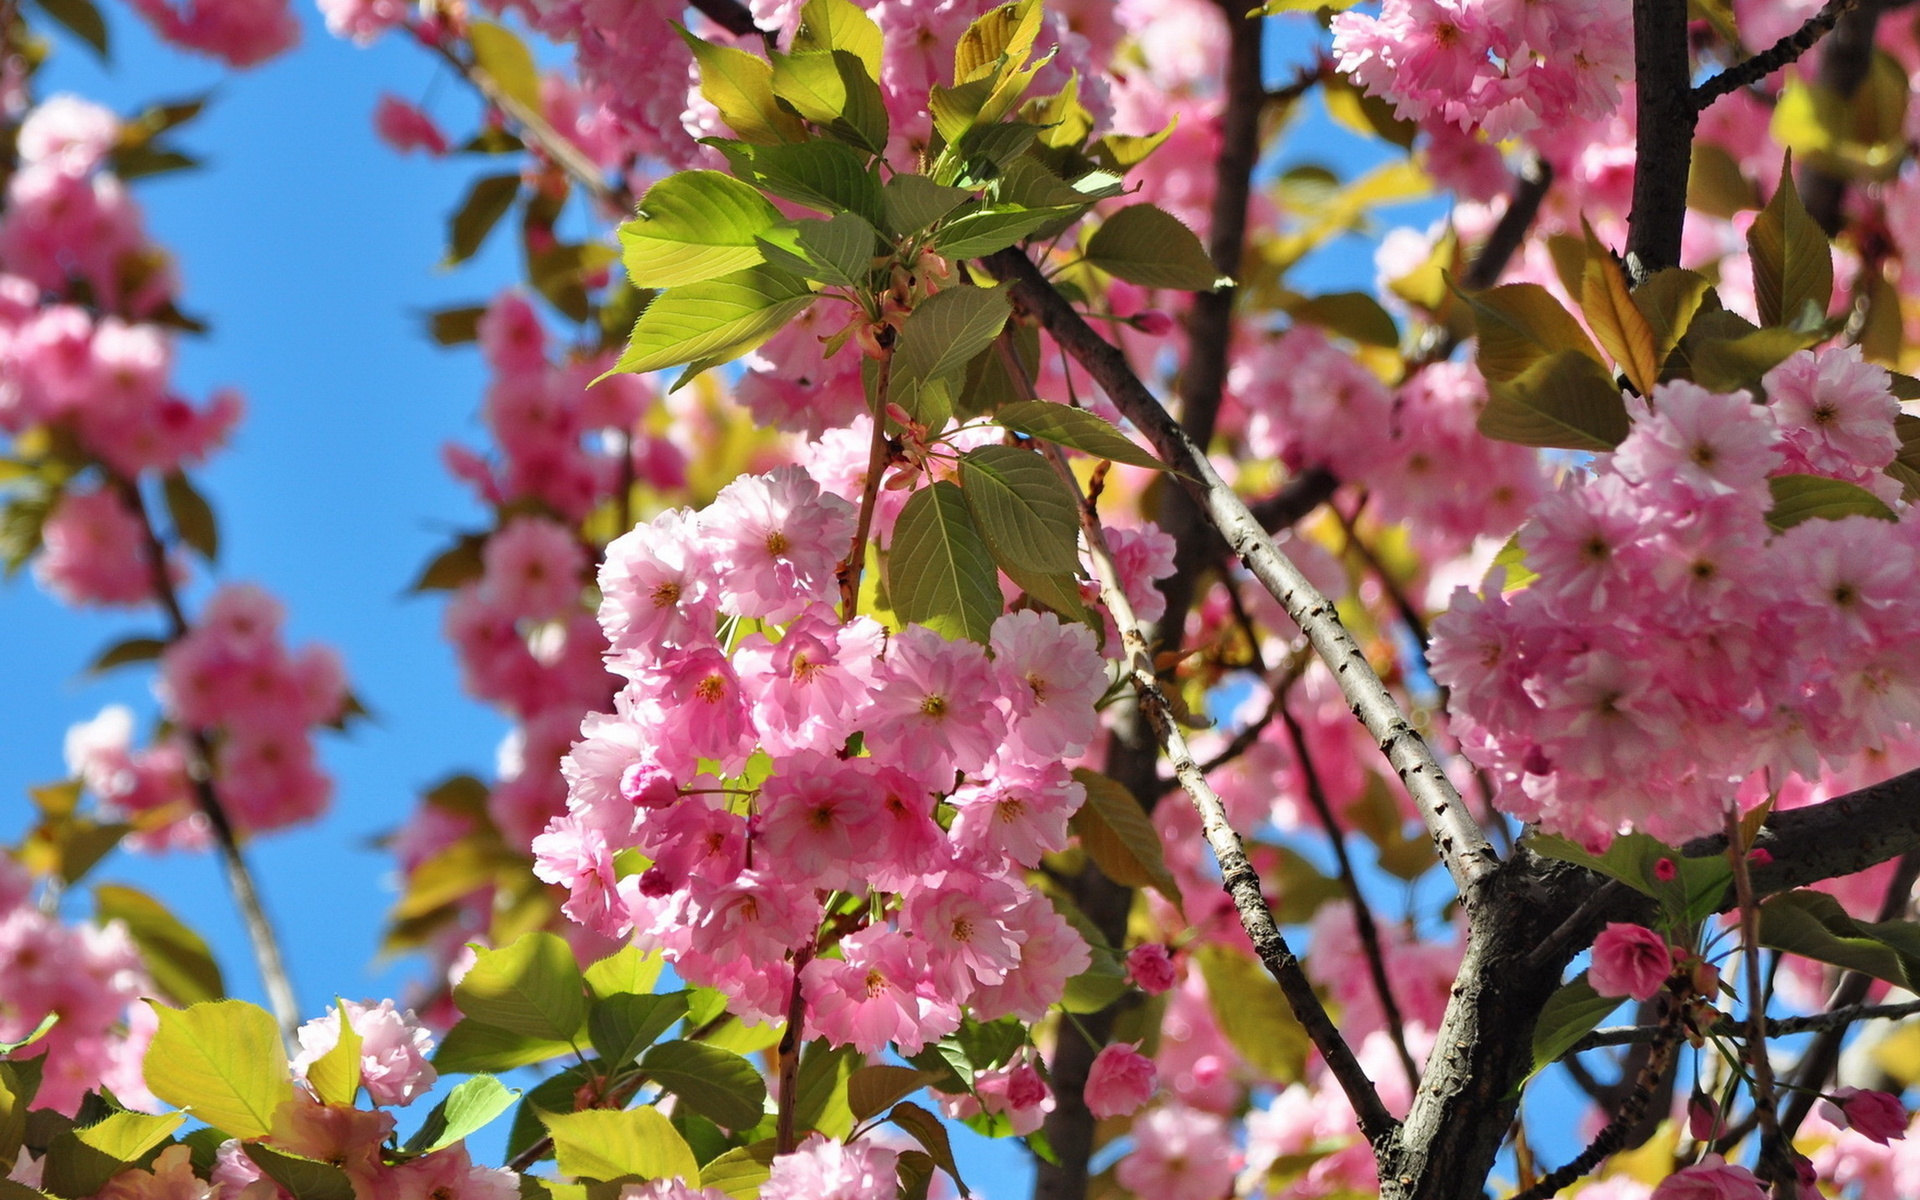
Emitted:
<point x="990" y="643"/>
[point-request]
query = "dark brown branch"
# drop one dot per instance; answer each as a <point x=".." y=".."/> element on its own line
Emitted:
<point x="1777" y="1027"/>
<point x="1666" y="113"/>
<point x="1632" y="1110"/>
<point x="1817" y="1064"/>
<point x="1844" y="62"/>
<point x="1531" y="184"/>
<point x="1299" y="496"/>
<point x="1765" y="63"/>
<point x="729" y="15"/>
<point x="1362" y="911"/>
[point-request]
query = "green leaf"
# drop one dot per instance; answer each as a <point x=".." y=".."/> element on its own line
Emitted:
<point x="1905" y="466"/>
<point x="821" y="1090"/>
<point x="984" y="230"/>
<point x="533" y="987"/>
<point x="1119" y="836"/>
<point x="825" y="176"/>
<point x="1813" y="925"/>
<point x="608" y="1144"/>
<point x="80" y="1161"/>
<point x="303" y="1178"/>
<point x="628" y="970"/>
<point x="740" y="85"/>
<point x="717" y="1084"/>
<point x="871" y="1089"/>
<point x="621" y="1026"/>
<point x="1354" y="315"/>
<point x="939" y="570"/>
<point x="1149" y="246"/>
<point x="1022" y="508"/>
<point x="940" y="336"/>
<point x="126" y="651"/>
<point x="144" y="162"/>
<point x="913" y="202"/>
<point x="1798" y="498"/>
<point x="829" y="25"/>
<point x="1568" y="1015"/>
<point x="454" y="567"/>
<point x="692" y="226"/>
<point x="1565" y="400"/>
<point x="1253" y="1014"/>
<point x="1066" y="425"/>
<point x="486" y="202"/>
<point x="192" y="516"/>
<point x="1668" y="300"/>
<point x="839" y="252"/>
<point x="82" y="19"/>
<point x="223" y="1062"/>
<point x="1520" y="324"/>
<point x="930" y="1133"/>
<point x="506" y="59"/>
<point x="714" y="320"/>
<point x="1729" y="363"/>
<point x="335" y="1075"/>
<point x="740" y="1171"/>
<point x="467" y="1109"/>
<point x="455" y="326"/>
<point x="999" y="40"/>
<point x="177" y="958"/>
<point x="1792" y="261"/>
<point x="835" y="92"/>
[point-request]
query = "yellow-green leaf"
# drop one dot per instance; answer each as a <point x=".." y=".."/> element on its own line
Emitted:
<point x="718" y="1084"/>
<point x="335" y="1075"/>
<point x="223" y="1062"/>
<point x="1565" y="400"/>
<point x="714" y="320"/>
<point x="1668" y="300"/>
<point x="1518" y="325"/>
<point x="1066" y="425"/>
<point x="532" y="987"/>
<point x="604" y="1143"/>
<point x="507" y="61"/>
<point x="692" y="226"/>
<point x="829" y="25"/>
<point x="1253" y="1013"/>
<point x="628" y="970"/>
<point x="740" y="85"/>
<point x="178" y="959"/>
<point x="1001" y="39"/>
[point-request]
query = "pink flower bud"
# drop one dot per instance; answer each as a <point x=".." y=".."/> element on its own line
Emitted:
<point x="1703" y="1117"/>
<point x="1150" y="968"/>
<point x="1152" y="322"/>
<point x="1712" y="1178"/>
<point x="1120" y="1081"/>
<point x="1664" y="870"/>
<point x="1874" y="1115"/>
<point x="1759" y="857"/>
<point x="1629" y="960"/>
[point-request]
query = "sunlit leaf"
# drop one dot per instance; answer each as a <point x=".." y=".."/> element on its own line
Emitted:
<point x="1149" y="246"/>
<point x="223" y="1062"/>
<point x="939" y="570"/>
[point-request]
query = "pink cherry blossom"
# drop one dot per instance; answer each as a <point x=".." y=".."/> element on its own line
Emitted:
<point x="1712" y="1178"/>
<point x="393" y="1050"/>
<point x="1150" y="968"/>
<point x="1630" y="960"/>
<point x="403" y="126"/>
<point x="1120" y="1081"/>
<point x="880" y="992"/>
<point x="824" y="1169"/>
<point x="776" y="540"/>
<point x="1877" y="1116"/>
<point x="1179" y="1153"/>
<point x="926" y="716"/>
<point x="1052" y="675"/>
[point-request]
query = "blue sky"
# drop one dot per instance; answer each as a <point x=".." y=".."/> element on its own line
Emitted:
<point x="313" y="251"/>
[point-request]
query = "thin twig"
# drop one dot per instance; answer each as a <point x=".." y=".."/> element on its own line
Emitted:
<point x="1777" y="1027"/>
<point x="1462" y="844"/>
<point x="856" y="560"/>
<point x="246" y="896"/>
<point x="1632" y="1109"/>
<point x="1362" y="912"/>
<point x="1774" y="1158"/>
<point x="1237" y="876"/>
<point x="1531" y="184"/>
<point x="1765" y="63"/>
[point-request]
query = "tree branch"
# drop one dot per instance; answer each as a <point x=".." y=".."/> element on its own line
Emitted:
<point x="1666" y="114"/>
<point x="246" y="896"/>
<point x="1532" y="183"/>
<point x="1765" y="63"/>
<point x="1462" y="844"/>
<point x="729" y="15"/>
<point x="1833" y="1018"/>
<point x="1237" y="876"/>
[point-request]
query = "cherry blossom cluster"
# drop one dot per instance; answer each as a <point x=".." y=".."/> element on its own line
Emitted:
<point x="764" y="757"/>
<point x="239" y="33"/>
<point x="90" y="977"/>
<point x="1673" y="643"/>
<point x="1503" y="66"/>
<point x="1310" y="404"/>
